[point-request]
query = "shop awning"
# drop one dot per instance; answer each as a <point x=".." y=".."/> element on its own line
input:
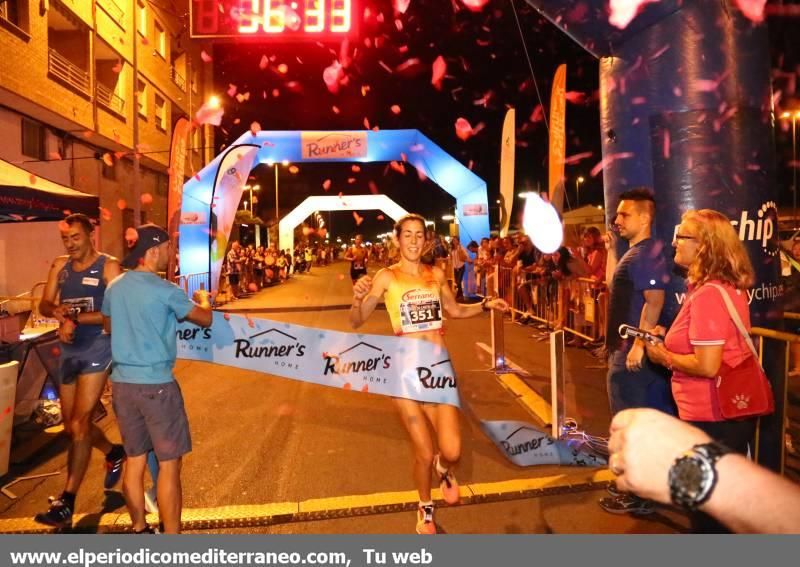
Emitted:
<point x="25" y="196"/>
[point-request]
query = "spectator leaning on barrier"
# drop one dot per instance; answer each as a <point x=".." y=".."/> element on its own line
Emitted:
<point x="142" y="311"/>
<point x="636" y="298"/>
<point x="703" y="335"/>
<point x="791" y="303"/>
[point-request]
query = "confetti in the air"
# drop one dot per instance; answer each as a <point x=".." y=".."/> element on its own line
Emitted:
<point x="206" y="57"/>
<point x="146" y="199"/>
<point x="624" y="11"/>
<point x="358" y="218"/>
<point x="439" y="70"/>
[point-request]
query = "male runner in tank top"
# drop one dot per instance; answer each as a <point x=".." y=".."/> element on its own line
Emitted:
<point x="357" y="256"/>
<point x="74" y="295"/>
<point x="416" y="296"/>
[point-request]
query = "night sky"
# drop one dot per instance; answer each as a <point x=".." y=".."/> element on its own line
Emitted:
<point x="487" y="72"/>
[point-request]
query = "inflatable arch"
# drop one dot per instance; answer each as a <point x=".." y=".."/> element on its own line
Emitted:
<point x="333" y="203"/>
<point x="211" y="197"/>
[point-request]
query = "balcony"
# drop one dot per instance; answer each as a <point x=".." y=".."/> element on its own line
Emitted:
<point x="109" y="99"/>
<point x="177" y="78"/>
<point x="68" y="73"/>
<point x="112" y="9"/>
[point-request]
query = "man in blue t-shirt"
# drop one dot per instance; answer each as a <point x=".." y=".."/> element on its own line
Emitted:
<point x="142" y="311"/>
<point x="636" y="297"/>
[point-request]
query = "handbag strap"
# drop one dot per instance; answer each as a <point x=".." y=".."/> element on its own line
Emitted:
<point x="737" y="321"/>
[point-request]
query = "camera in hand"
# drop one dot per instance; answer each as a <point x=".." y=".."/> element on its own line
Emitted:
<point x="629" y="331"/>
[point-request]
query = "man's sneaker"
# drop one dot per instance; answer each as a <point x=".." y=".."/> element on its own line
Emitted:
<point x="150" y="504"/>
<point x="58" y="516"/>
<point x="113" y="472"/>
<point x="627" y="504"/>
<point x="425" y="524"/>
<point x="447" y="483"/>
<point x="613" y="490"/>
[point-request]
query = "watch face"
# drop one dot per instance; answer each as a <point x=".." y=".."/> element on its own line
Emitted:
<point x="689" y="476"/>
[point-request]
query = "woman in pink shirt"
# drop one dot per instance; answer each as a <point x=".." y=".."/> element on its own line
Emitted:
<point x="703" y="334"/>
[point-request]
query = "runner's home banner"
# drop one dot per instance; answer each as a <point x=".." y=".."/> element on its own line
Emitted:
<point x="526" y="445"/>
<point x="390" y="366"/>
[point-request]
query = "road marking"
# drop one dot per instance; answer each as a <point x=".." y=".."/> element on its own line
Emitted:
<point x="529" y="398"/>
<point x="243" y="516"/>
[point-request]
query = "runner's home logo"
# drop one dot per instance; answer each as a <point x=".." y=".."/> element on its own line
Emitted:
<point x="761" y="228"/>
<point x="525" y="440"/>
<point x="434" y="378"/>
<point x="361" y="358"/>
<point x="272" y="344"/>
<point x="325" y="145"/>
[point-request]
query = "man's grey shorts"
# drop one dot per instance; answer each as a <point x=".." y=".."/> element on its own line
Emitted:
<point x="152" y="417"/>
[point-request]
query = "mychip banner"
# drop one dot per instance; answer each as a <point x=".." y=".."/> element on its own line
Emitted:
<point x="390" y="366"/>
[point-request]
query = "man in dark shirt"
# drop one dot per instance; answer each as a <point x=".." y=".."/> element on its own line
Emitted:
<point x="636" y="298"/>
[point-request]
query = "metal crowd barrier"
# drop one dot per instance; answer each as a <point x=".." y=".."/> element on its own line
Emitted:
<point x="192" y="282"/>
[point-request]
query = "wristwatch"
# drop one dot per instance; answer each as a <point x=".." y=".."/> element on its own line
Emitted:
<point x="693" y="475"/>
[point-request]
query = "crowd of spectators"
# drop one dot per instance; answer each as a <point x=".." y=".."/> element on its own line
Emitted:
<point x="249" y="269"/>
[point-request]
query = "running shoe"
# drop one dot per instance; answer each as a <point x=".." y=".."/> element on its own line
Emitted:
<point x="59" y="515"/>
<point x="447" y="483"/>
<point x="113" y="472"/>
<point x="425" y="524"/>
<point x="627" y="504"/>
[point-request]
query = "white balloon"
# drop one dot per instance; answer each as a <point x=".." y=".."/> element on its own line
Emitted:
<point x="541" y="223"/>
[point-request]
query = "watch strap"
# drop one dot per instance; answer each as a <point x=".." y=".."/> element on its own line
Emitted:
<point x="704" y="456"/>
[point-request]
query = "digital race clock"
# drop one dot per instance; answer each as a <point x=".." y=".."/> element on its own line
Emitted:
<point x="278" y="19"/>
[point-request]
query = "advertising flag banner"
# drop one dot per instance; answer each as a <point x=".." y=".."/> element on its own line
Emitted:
<point x="558" y="108"/>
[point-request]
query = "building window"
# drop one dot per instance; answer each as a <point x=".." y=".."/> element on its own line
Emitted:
<point x="141" y="97"/>
<point x="141" y="17"/>
<point x="33" y="139"/>
<point x="161" y="112"/>
<point x="161" y="40"/>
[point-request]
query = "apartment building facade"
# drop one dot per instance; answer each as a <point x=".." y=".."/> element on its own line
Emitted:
<point x="86" y="84"/>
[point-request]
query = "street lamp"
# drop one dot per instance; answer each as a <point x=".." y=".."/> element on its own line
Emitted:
<point x="578" y="191"/>
<point x="794" y="116"/>
<point x="448" y="217"/>
<point x="251" y="188"/>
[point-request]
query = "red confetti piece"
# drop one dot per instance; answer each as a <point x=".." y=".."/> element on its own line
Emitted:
<point x="365" y="388"/>
<point x="227" y="316"/>
<point x="395" y="109"/>
<point x="232" y="90"/>
<point x="54" y="156"/>
<point x="147" y="199"/>
<point x="294" y="169"/>
<point x="146" y="41"/>
<point x="400" y="6"/>
<point x="335" y="109"/>
<point x="55" y="351"/>
<point x="32" y="179"/>
<point x="351" y="180"/>
<point x="439" y="70"/>
<point x="355" y="168"/>
<point x="608" y="160"/>
<point x="276" y="93"/>
<point x="464" y="130"/>
<point x="624" y="11"/>
<point x="347" y="386"/>
<point x="283" y="68"/>
<point x="366" y="123"/>
<point x="206" y="57"/>
<point x="341" y="277"/>
<point x="538" y="114"/>
<point x="105" y="214"/>
<point x="264" y="63"/>
<point x="255" y="128"/>
<point x="752" y="9"/>
<point x="398" y="167"/>
<point x="358" y="218"/>
<point x="380" y="217"/>
<point x="373" y="188"/>
<point x="108" y="160"/>
<point x="475" y="5"/>
<point x="666" y="144"/>
<point x="117" y="68"/>
<point x="575" y="97"/>
<point x="577" y="157"/>
<point x="326" y="184"/>
<point x="332" y="75"/>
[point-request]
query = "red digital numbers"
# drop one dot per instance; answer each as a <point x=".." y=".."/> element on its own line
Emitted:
<point x="263" y="18"/>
